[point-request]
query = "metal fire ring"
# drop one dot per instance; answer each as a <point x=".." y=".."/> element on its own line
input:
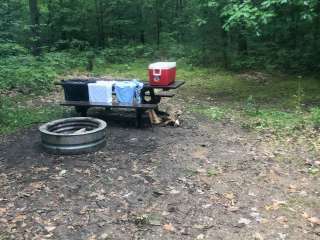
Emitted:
<point x="73" y="135"/>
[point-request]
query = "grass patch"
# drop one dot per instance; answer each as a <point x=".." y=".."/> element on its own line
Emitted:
<point x="14" y="115"/>
<point x="214" y="113"/>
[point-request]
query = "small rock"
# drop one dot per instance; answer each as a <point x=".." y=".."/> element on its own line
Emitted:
<point x="62" y="172"/>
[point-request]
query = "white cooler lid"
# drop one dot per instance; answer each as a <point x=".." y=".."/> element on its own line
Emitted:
<point x="163" y="65"/>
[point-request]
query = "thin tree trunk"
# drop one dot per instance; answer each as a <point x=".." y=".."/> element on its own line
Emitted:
<point x="35" y="27"/>
<point x="51" y="39"/>
<point x="141" y="23"/>
<point x="102" y="36"/>
<point x="225" y="46"/>
<point x="242" y="42"/>
<point x="99" y="22"/>
<point x="158" y="23"/>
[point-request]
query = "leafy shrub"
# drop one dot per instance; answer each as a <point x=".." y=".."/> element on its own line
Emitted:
<point x="12" y="49"/>
<point x="28" y="72"/>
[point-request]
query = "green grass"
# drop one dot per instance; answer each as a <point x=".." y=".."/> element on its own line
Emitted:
<point x="14" y="114"/>
<point x="213" y="112"/>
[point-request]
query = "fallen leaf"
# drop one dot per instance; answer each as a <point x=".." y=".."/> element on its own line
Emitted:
<point x="198" y="226"/>
<point x="200" y="237"/>
<point x="292" y="189"/>
<point x="258" y="236"/>
<point x="169" y="227"/>
<point x="50" y="228"/>
<point x="282" y="219"/>
<point x="3" y="211"/>
<point x="3" y="220"/>
<point x="201" y="170"/>
<point x="93" y="237"/>
<point x="41" y="169"/>
<point x="314" y="220"/>
<point x="305" y="215"/>
<point x="229" y="196"/>
<point x="19" y="217"/>
<point x="244" y="221"/>
<point x="173" y="191"/>
<point x="275" y="205"/>
<point x="233" y="209"/>
<point x="263" y="220"/>
<point x="36" y="185"/>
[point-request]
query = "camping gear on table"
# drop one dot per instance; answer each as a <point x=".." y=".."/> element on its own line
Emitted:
<point x="162" y="73"/>
<point x="128" y="91"/>
<point x="147" y="92"/>
<point x="101" y="91"/>
<point x="76" y="89"/>
<point x="139" y="87"/>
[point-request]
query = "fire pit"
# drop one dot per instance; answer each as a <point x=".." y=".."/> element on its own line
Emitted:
<point x="73" y="135"/>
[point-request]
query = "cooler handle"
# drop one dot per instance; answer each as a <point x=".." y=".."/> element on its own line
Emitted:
<point x="157" y="74"/>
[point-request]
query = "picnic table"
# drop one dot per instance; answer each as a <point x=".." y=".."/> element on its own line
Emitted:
<point x="149" y="100"/>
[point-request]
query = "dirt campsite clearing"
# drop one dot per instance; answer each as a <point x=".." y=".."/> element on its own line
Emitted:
<point x="203" y="180"/>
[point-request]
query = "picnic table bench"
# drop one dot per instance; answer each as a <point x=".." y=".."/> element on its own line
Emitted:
<point x="149" y="100"/>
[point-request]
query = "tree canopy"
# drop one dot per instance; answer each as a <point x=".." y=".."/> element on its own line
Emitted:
<point x="282" y="34"/>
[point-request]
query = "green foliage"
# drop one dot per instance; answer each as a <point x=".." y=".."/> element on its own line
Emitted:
<point x="12" y="49"/>
<point x="26" y="72"/>
<point x="315" y="117"/>
<point x="126" y="53"/>
<point x="239" y="34"/>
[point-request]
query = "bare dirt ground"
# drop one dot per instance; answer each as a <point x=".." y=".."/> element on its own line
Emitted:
<point x="203" y="180"/>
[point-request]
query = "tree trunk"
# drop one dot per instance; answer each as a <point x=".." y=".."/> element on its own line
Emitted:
<point x="50" y="24"/>
<point x="224" y="36"/>
<point x="35" y="27"/>
<point x="158" y="23"/>
<point x="242" y="42"/>
<point x="141" y="23"/>
<point x="99" y="21"/>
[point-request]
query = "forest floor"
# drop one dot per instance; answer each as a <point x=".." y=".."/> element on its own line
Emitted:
<point x="208" y="179"/>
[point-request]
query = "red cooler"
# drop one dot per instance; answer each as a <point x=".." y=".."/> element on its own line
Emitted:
<point x="162" y="73"/>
